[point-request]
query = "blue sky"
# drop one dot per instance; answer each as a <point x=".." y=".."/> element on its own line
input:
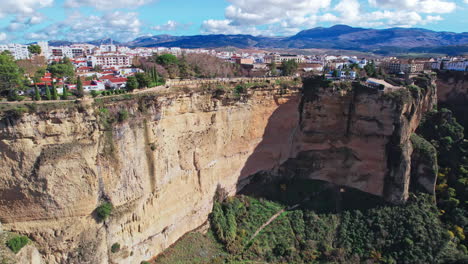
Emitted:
<point x="81" y="20"/>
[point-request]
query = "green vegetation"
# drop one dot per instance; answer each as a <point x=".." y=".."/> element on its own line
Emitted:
<point x="316" y="233"/>
<point x="115" y="248"/>
<point x="442" y="130"/>
<point x="167" y="59"/>
<point x="17" y="243"/>
<point x="34" y="49"/>
<point x="122" y="115"/>
<point x="79" y="87"/>
<point x="62" y="69"/>
<point x="289" y="67"/>
<point x="238" y="90"/>
<point x="132" y="83"/>
<point x="103" y="211"/>
<point x="194" y="248"/>
<point x="11" y="79"/>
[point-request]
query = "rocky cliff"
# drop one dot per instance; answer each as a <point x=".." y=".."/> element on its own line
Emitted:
<point x="452" y="92"/>
<point x="160" y="168"/>
<point x="159" y="160"/>
<point x="359" y="137"/>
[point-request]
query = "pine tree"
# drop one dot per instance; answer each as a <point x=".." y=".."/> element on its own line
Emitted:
<point x="47" y="92"/>
<point x="54" y="92"/>
<point x="37" y="95"/>
<point x="64" y="93"/>
<point x="79" y="87"/>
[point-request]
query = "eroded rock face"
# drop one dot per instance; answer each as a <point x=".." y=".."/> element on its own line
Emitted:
<point x="160" y="169"/>
<point x="358" y="138"/>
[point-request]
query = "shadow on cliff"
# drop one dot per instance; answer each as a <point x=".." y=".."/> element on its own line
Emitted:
<point x="272" y="173"/>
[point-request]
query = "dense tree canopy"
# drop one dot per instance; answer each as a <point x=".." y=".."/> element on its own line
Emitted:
<point x="289" y="67"/>
<point x="34" y="49"/>
<point x="10" y="74"/>
<point x="62" y="69"/>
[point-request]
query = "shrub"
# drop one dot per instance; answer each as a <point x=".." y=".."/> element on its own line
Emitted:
<point x="115" y="248"/>
<point x="144" y="262"/>
<point x="17" y="243"/>
<point x="238" y="90"/>
<point x="122" y="115"/>
<point x="94" y="93"/>
<point x="104" y="211"/>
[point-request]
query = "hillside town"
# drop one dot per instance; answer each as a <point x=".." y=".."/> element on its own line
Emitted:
<point x="110" y="67"/>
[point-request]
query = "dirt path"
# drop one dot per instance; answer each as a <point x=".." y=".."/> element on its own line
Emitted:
<point x="273" y="218"/>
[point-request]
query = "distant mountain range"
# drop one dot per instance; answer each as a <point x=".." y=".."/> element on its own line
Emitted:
<point x="392" y="40"/>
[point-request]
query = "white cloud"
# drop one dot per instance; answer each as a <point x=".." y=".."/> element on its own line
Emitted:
<point x="170" y="25"/>
<point x="118" y="25"/>
<point x="259" y="12"/>
<point x="225" y="27"/>
<point x="278" y="17"/>
<point x="16" y="7"/>
<point x="421" y="6"/>
<point x="107" y="4"/>
<point x="22" y="22"/>
<point x="465" y="1"/>
<point x="3" y="36"/>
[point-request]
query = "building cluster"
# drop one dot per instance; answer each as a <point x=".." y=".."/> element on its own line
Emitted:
<point x="107" y="66"/>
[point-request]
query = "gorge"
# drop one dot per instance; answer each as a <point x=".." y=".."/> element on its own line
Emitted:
<point x="160" y="157"/>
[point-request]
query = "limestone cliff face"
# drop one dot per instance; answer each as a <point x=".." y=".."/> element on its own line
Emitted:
<point x="452" y="92"/>
<point x="358" y="138"/>
<point x="159" y="168"/>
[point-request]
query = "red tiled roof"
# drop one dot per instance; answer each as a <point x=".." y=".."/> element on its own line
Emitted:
<point x="106" y="77"/>
<point x="118" y="80"/>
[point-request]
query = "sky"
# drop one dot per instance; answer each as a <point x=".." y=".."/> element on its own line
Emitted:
<point x="25" y="21"/>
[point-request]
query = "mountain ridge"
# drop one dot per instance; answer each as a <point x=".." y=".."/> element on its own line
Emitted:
<point x="341" y="37"/>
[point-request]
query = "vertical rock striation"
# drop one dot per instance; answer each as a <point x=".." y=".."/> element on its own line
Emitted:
<point x="160" y="168"/>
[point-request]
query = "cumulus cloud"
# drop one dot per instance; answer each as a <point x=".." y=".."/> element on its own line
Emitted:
<point x="421" y="6"/>
<point x="212" y="26"/>
<point x="280" y="16"/>
<point x="3" y="36"/>
<point x="78" y="27"/>
<point x="276" y="17"/>
<point x="17" y="7"/>
<point x="171" y="25"/>
<point x="106" y="4"/>
<point x="21" y="22"/>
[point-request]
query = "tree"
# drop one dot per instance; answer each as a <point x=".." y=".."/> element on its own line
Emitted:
<point x="54" y="92"/>
<point x="167" y="59"/>
<point x="37" y="94"/>
<point x="34" y="49"/>
<point x="47" y="92"/>
<point x="132" y="83"/>
<point x="272" y="67"/>
<point x="335" y="73"/>
<point x="289" y="67"/>
<point x="143" y="80"/>
<point x="79" y="87"/>
<point x="64" y="92"/>
<point x="62" y="69"/>
<point x="10" y="74"/>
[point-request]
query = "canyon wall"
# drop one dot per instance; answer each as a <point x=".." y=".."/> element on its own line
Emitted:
<point x="452" y="92"/>
<point x="359" y="138"/>
<point x="161" y="166"/>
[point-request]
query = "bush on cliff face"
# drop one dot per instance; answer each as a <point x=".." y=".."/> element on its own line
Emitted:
<point x="103" y="211"/>
<point x="17" y="243"/>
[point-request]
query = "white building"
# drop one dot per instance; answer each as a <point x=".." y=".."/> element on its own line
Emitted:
<point x="456" y="65"/>
<point x="111" y="60"/>
<point x="18" y="51"/>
